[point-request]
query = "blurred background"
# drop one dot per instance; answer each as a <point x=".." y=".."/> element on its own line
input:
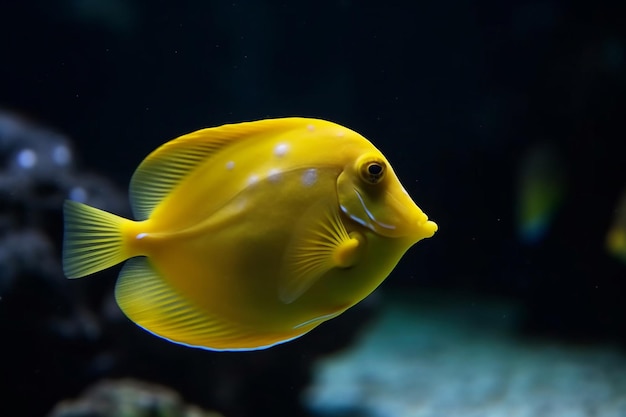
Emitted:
<point x="504" y="121"/>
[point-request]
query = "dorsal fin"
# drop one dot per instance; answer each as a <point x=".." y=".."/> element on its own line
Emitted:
<point x="165" y="167"/>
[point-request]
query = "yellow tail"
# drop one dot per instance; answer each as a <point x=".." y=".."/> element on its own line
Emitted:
<point x="93" y="239"/>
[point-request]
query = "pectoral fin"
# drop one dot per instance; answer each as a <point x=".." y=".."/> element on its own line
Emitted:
<point x="320" y="243"/>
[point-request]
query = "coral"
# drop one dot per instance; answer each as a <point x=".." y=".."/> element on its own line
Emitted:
<point x="128" y="398"/>
<point x="38" y="172"/>
<point x="461" y="358"/>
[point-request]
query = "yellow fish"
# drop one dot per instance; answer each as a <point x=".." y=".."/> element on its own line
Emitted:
<point x="616" y="236"/>
<point x="540" y="193"/>
<point x="249" y="235"/>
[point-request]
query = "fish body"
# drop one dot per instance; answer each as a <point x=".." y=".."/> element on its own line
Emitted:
<point x="616" y="235"/>
<point x="540" y="192"/>
<point x="250" y="235"/>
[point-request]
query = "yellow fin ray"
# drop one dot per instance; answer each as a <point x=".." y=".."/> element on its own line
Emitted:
<point x="148" y="300"/>
<point x="164" y="168"/>
<point x="324" y="244"/>
<point x="93" y="239"/>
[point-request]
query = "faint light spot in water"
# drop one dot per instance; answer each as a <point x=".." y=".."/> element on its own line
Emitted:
<point x="9" y="126"/>
<point x="614" y="54"/>
<point x="310" y="128"/>
<point x="27" y="158"/>
<point x="281" y="149"/>
<point x="230" y="165"/>
<point x="61" y="155"/>
<point x="274" y="175"/>
<point x="78" y="194"/>
<point x="309" y="177"/>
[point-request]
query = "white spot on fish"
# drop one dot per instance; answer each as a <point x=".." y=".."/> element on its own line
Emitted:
<point x="281" y="149"/>
<point x="253" y="179"/>
<point x="230" y="165"/>
<point x="27" y="158"/>
<point x="274" y="175"/>
<point x="309" y="177"/>
<point x="141" y="235"/>
<point x="310" y="128"/>
<point x="239" y="205"/>
<point x="341" y="134"/>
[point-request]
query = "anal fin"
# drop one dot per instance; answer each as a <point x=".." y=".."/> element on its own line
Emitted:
<point x="153" y="304"/>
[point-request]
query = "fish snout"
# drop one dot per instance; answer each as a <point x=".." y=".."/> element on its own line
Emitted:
<point x="425" y="228"/>
<point x="412" y="222"/>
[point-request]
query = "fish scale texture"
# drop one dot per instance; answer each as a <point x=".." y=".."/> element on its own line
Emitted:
<point x="423" y="362"/>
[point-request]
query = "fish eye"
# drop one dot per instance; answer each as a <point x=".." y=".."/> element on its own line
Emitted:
<point x="373" y="171"/>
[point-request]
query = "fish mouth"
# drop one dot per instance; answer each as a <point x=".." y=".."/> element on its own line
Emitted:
<point x="427" y="228"/>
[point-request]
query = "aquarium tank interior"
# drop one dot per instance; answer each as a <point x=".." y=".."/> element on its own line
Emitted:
<point x="329" y="208"/>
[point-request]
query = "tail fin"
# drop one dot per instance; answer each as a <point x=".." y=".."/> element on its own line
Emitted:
<point x="93" y="240"/>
